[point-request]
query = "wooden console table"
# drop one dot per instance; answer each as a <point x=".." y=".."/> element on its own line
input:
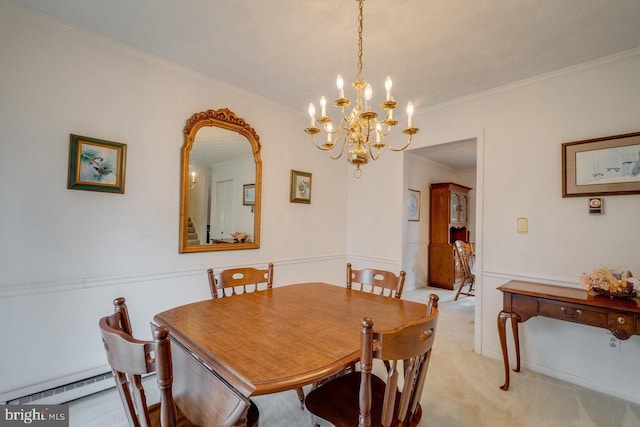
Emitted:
<point x="523" y="300"/>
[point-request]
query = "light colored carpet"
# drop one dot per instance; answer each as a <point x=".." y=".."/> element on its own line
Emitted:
<point x="462" y="389"/>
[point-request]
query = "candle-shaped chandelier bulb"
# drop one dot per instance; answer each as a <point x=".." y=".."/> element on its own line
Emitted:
<point x="388" y="85"/>
<point x="312" y="114"/>
<point x="409" y="114"/>
<point x="358" y="125"/>
<point x="368" y="94"/>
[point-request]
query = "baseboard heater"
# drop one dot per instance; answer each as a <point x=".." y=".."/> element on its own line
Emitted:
<point x="68" y="392"/>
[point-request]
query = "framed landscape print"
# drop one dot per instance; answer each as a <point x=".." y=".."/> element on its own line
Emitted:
<point x="300" y="187"/>
<point x="601" y="166"/>
<point x="96" y="165"/>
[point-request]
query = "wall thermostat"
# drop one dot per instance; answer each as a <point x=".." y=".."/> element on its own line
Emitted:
<point x="595" y="205"/>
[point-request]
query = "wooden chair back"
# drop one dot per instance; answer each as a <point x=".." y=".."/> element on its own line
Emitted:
<point x="364" y="399"/>
<point x="464" y="252"/>
<point x="130" y="359"/>
<point x="410" y="345"/>
<point x="374" y="281"/>
<point x="193" y="395"/>
<point x="236" y="281"/>
<point x="465" y="255"/>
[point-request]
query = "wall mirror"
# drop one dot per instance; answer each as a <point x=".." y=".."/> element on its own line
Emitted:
<point x="221" y="184"/>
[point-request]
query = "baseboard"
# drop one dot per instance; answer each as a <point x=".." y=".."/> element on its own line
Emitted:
<point x="62" y="390"/>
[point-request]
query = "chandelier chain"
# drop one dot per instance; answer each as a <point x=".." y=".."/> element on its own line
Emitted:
<point x="360" y="26"/>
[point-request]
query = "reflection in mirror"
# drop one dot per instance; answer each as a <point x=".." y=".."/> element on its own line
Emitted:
<point x="220" y="161"/>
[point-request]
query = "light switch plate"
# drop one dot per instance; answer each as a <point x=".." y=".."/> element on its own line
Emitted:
<point x="523" y="225"/>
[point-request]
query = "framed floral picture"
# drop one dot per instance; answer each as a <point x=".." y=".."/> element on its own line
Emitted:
<point x="96" y="165"/>
<point x="300" y="187"/>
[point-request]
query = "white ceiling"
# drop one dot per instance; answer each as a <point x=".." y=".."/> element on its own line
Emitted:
<point x="292" y="50"/>
<point x="456" y="155"/>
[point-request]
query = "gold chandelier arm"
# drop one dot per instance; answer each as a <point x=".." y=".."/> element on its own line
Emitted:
<point x="377" y="155"/>
<point x="321" y="147"/>
<point x="328" y="148"/>
<point x="334" y="157"/>
<point x="403" y="147"/>
<point x="382" y="131"/>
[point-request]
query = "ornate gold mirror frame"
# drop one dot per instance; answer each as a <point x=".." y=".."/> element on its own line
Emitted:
<point x="230" y="125"/>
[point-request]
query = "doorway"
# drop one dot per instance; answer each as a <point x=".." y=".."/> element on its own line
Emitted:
<point x="458" y="162"/>
<point x="221" y="219"/>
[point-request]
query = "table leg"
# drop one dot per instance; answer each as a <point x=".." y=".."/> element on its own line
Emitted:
<point x="516" y="339"/>
<point x="502" y="320"/>
<point x="502" y="334"/>
<point x="300" y="397"/>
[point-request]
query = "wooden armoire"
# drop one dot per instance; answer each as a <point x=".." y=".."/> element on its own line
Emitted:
<point x="449" y="209"/>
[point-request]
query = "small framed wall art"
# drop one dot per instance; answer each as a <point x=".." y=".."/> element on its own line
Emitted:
<point x="96" y="165"/>
<point x="601" y="166"/>
<point x="300" y="187"/>
<point x="249" y="194"/>
<point x="413" y="205"/>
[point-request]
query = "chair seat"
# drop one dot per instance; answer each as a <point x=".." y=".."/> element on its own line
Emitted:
<point x="345" y="389"/>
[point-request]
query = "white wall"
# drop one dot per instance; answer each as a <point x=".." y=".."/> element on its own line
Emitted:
<point x="521" y="128"/>
<point x="65" y="254"/>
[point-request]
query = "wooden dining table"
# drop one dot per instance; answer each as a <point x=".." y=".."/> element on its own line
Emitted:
<point x="285" y="337"/>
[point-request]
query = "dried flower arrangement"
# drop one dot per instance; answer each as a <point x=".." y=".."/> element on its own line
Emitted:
<point x="604" y="281"/>
<point x="239" y="237"/>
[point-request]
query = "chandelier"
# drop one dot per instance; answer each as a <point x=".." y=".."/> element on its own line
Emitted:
<point x="360" y="128"/>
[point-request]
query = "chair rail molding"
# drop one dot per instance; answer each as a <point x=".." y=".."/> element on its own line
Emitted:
<point x="98" y="282"/>
<point x="530" y="277"/>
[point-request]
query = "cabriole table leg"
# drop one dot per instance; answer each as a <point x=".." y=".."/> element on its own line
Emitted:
<point x="502" y="320"/>
<point x="516" y="339"/>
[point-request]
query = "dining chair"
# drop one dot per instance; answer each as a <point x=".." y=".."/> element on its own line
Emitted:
<point x="130" y="358"/>
<point x="235" y="281"/>
<point x="466" y="258"/>
<point x="374" y="281"/>
<point x="364" y="399"/>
